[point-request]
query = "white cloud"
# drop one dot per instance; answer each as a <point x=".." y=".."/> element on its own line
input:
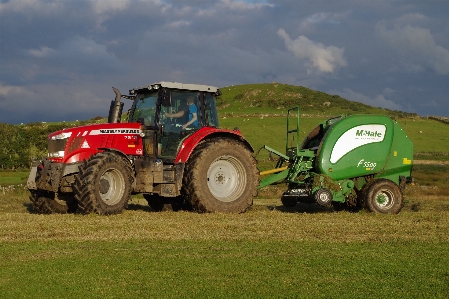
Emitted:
<point x="102" y="6"/>
<point x="323" y="18"/>
<point x="321" y="58"/>
<point x="377" y="101"/>
<point x="179" y="24"/>
<point x="42" y="52"/>
<point x="416" y="45"/>
<point x="242" y="5"/>
<point x="8" y="90"/>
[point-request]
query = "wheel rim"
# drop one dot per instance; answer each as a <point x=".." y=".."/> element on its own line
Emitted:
<point x="384" y="199"/>
<point x="112" y="185"/>
<point x="226" y="178"/>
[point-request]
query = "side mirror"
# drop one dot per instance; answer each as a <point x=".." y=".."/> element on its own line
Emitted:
<point x="165" y="97"/>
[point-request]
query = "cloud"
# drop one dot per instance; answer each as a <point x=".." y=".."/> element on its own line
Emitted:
<point x="102" y="6"/>
<point x="243" y="5"/>
<point x="31" y="6"/>
<point x="416" y="45"/>
<point x="378" y="101"/>
<point x="321" y="58"/>
<point x="81" y="55"/>
<point x="8" y="90"/>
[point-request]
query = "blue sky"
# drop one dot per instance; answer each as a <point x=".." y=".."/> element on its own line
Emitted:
<point x="60" y="58"/>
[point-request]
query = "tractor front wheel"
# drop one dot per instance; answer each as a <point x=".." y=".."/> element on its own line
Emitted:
<point x="384" y="197"/>
<point x="221" y="176"/>
<point x="46" y="202"/>
<point x="103" y="185"/>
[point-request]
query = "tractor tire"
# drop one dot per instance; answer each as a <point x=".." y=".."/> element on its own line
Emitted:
<point x="383" y="196"/>
<point x="103" y="185"/>
<point x="45" y="202"/>
<point x="221" y="176"/>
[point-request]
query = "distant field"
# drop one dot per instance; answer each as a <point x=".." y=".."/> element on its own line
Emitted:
<point x="426" y="134"/>
<point x="13" y="177"/>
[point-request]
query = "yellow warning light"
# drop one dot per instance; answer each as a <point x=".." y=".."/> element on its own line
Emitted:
<point x="406" y="161"/>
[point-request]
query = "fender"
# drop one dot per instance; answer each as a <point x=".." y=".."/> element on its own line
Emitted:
<point x="193" y="140"/>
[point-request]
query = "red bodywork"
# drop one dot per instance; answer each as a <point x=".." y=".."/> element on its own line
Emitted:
<point x="124" y="137"/>
<point x="89" y="140"/>
<point x="190" y="143"/>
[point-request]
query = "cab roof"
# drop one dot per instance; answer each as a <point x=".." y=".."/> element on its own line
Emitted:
<point x="176" y="85"/>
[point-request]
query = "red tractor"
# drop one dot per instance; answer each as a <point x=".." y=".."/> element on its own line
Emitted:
<point x="171" y="150"/>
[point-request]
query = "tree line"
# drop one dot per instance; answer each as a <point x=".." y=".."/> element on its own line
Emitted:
<point x="19" y="144"/>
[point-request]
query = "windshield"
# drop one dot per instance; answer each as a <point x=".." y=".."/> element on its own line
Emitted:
<point x="144" y="110"/>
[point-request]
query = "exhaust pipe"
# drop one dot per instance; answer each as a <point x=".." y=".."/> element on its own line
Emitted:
<point x="115" y="111"/>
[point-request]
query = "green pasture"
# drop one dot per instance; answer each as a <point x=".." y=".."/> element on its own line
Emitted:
<point x="427" y="135"/>
<point x="8" y="178"/>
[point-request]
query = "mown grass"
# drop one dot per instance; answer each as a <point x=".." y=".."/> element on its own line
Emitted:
<point x="270" y="251"/>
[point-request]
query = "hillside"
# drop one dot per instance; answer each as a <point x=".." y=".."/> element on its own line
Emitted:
<point x="276" y="98"/>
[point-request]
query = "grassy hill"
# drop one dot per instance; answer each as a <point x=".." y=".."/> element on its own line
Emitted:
<point x="260" y="110"/>
<point x="276" y="98"/>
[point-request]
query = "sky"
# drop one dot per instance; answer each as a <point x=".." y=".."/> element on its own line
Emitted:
<point x="59" y="59"/>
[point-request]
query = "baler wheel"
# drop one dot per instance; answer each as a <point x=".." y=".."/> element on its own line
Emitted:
<point x="103" y="185"/>
<point x="383" y="196"/>
<point x="221" y="176"/>
<point x="45" y="202"/>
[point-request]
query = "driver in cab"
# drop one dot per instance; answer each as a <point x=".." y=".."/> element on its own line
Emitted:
<point x="188" y="113"/>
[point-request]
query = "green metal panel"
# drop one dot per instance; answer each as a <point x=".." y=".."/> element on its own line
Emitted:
<point x="356" y="146"/>
<point x="400" y="158"/>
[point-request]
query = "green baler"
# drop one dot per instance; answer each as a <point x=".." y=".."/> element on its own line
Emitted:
<point x="348" y="162"/>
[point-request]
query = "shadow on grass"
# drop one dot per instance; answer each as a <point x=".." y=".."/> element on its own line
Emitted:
<point x="139" y="207"/>
<point x="29" y="207"/>
<point x="311" y="208"/>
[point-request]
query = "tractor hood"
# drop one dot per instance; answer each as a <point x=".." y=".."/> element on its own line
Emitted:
<point x="76" y="144"/>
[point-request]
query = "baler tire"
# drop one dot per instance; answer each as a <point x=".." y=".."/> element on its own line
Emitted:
<point x="46" y="202"/>
<point x="103" y="184"/>
<point x="221" y="176"/>
<point x="384" y="197"/>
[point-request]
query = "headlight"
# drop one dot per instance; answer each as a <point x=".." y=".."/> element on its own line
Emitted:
<point x="59" y="154"/>
<point x="61" y="136"/>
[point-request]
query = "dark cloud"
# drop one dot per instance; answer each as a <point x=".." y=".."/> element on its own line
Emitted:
<point x="59" y="59"/>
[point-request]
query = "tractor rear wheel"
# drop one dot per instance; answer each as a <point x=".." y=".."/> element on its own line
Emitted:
<point x="46" y="202"/>
<point x="221" y="176"/>
<point x="103" y="185"/>
<point x="384" y="197"/>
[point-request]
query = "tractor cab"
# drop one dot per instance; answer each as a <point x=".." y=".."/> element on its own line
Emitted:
<point x="170" y="112"/>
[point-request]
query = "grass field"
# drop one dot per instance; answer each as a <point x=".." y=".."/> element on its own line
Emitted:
<point x="270" y="251"/>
